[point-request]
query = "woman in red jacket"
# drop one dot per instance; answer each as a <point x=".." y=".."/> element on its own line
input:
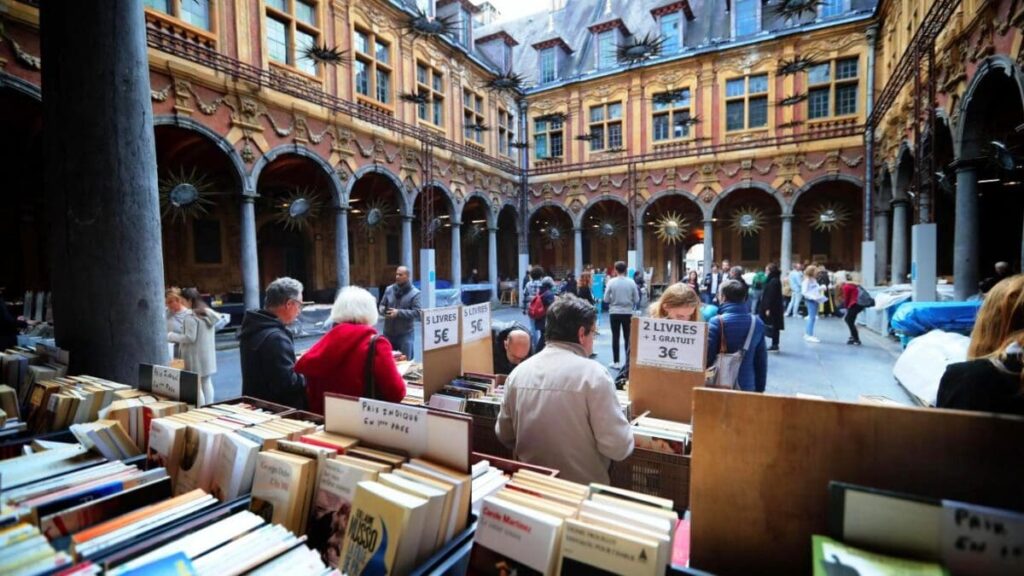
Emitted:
<point x="337" y="363"/>
<point x="850" y="291"/>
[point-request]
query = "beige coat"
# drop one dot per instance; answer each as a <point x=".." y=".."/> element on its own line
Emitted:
<point x="196" y="342"/>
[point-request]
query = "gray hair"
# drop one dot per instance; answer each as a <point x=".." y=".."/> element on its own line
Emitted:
<point x="280" y="291"/>
<point x="354" y="306"/>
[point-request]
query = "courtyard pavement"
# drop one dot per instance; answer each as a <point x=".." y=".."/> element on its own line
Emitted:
<point x="831" y="369"/>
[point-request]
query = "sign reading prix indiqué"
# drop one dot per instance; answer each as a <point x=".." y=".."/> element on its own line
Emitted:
<point x="672" y="344"/>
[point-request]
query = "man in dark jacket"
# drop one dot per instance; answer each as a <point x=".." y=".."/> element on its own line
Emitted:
<point x="268" y="350"/>
<point x="736" y="317"/>
<point x="771" y="307"/>
<point x="510" y="345"/>
<point x="401" y="308"/>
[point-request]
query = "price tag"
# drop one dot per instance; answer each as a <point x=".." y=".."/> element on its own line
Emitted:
<point x="476" y="322"/>
<point x="170" y="383"/>
<point x="672" y="344"/>
<point x="981" y="541"/>
<point x="166" y="382"/>
<point x="393" y="425"/>
<point x="440" y="327"/>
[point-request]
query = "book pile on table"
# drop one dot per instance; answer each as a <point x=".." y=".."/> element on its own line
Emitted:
<point x="537" y="524"/>
<point x="56" y="403"/>
<point x="663" y="436"/>
<point x="476" y="394"/>
<point x="22" y="367"/>
<point x="10" y="412"/>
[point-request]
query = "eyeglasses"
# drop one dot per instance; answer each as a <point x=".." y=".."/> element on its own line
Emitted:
<point x="297" y="301"/>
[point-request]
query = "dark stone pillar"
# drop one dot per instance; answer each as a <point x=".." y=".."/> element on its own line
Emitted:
<point x="966" y="238"/>
<point x="101" y="187"/>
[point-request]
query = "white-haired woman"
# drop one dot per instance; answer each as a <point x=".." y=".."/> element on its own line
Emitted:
<point x="338" y="362"/>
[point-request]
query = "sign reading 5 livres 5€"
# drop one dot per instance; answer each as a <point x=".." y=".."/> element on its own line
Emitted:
<point x="476" y="322"/>
<point x="672" y="344"/>
<point x="440" y="327"/>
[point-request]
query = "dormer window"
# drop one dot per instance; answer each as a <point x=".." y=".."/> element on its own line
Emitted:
<point x="607" y="47"/>
<point x="671" y="27"/>
<point x="548" y="65"/>
<point x="465" y="27"/>
<point x="831" y="8"/>
<point x="746" y="18"/>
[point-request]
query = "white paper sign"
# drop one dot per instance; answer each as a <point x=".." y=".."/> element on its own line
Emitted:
<point x="393" y="425"/>
<point x="981" y="541"/>
<point x="440" y="327"/>
<point x="166" y="382"/>
<point x="476" y="322"/>
<point x="672" y="344"/>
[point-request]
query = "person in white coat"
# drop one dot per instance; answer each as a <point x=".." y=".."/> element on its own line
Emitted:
<point x="197" y="344"/>
<point x="811" y="292"/>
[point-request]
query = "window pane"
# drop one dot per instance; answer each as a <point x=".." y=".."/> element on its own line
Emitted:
<point x="596" y="113"/>
<point x="465" y="28"/>
<point x="680" y="126"/>
<point x="556" y="144"/>
<point x="556" y="124"/>
<point x="830" y="8"/>
<point x="846" y="99"/>
<point x="817" y="103"/>
<point x="362" y="78"/>
<point x="758" y="112"/>
<point x="735" y="87"/>
<point x="304" y="41"/>
<point x="362" y="42"/>
<point x="305" y="13"/>
<point x="684" y="99"/>
<point x="438" y="81"/>
<point x="421" y="74"/>
<point x="467" y="122"/>
<point x="161" y="5"/>
<point x="540" y="144"/>
<point x="540" y="126"/>
<point x="597" y="137"/>
<point x="421" y="110"/>
<point x="615" y="110"/>
<point x="660" y="127"/>
<point x="501" y="142"/>
<point x="547" y="65"/>
<point x="383" y="52"/>
<point x="615" y="135"/>
<point x="670" y="24"/>
<point x="606" y="56"/>
<point x="746" y="18"/>
<point x="846" y="68"/>
<point x="383" y="86"/>
<point x="438" y="112"/>
<point x="819" y="73"/>
<point x="281" y="5"/>
<point x="196" y="13"/>
<point x="734" y="115"/>
<point x="277" y="40"/>
<point x="759" y="84"/>
<point x="479" y="106"/>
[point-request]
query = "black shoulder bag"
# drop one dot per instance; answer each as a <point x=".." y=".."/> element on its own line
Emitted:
<point x="369" y="382"/>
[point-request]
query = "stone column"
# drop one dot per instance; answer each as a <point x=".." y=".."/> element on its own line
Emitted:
<point x="457" y="258"/>
<point x="900" y="233"/>
<point x="407" y="259"/>
<point x="341" y="246"/>
<point x="492" y="262"/>
<point x="709" y="246"/>
<point x="577" y="251"/>
<point x="786" y="255"/>
<point x="640" y="248"/>
<point x="882" y="246"/>
<point x="966" y="239"/>
<point x="250" y="257"/>
<point x="100" y="180"/>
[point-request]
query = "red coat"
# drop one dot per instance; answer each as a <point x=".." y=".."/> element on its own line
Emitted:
<point x="336" y="364"/>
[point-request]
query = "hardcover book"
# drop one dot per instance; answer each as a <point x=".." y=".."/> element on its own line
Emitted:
<point x="332" y="507"/>
<point x="383" y="531"/>
<point x="279" y="487"/>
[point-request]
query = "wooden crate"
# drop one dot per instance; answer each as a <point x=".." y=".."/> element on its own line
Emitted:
<point x="313" y="417"/>
<point x="657" y="474"/>
<point x="485" y="439"/>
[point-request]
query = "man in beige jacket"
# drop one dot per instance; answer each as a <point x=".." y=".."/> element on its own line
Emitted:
<point x="560" y="408"/>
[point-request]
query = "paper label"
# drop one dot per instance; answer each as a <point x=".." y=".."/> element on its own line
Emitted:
<point x="672" y="344"/>
<point x="981" y="541"/>
<point x="476" y="322"/>
<point x="393" y="425"/>
<point x="440" y="327"/>
<point x="166" y="382"/>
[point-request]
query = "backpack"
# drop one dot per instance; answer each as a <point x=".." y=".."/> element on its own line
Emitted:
<point x="536" y="309"/>
<point x="725" y="374"/>
<point x="864" y="299"/>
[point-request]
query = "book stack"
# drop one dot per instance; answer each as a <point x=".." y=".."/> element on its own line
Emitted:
<point x="108" y="438"/>
<point x="136" y="414"/>
<point x="538" y="524"/>
<point x="24" y="550"/>
<point x="56" y="403"/>
<point x="663" y="436"/>
<point x="22" y="367"/>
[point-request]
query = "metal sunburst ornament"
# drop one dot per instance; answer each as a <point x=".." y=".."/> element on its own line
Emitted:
<point x="325" y="54"/>
<point x="415" y="98"/>
<point x="670" y="97"/>
<point x="638" y="50"/>
<point x="479" y="127"/>
<point x="671" y="228"/>
<point x="473" y="234"/>
<point x="553" y="234"/>
<point x="376" y="215"/>
<point x="434" y="227"/>
<point x="792" y="100"/>
<point x="608" y="228"/>
<point x="184" y="195"/>
<point x="520" y="144"/>
<point x="787" y="9"/>
<point x="829" y="217"/>
<point x="422" y="25"/>
<point x="506" y="82"/>
<point x="747" y="220"/>
<point x="299" y="208"/>
<point x="795" y="65"/>
<point x="552" y="117"/>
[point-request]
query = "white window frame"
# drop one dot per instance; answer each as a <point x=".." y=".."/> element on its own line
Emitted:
<point x="757" y="16"/>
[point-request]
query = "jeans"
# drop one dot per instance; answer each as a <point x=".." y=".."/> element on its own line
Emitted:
<point x="402" y="342"/>
<point x="619" y="322"/>
<point x="812" y="317"/>
<point x="794" y="303"/>
<point x="851" y="319"/>
<point x="755" y="297"/>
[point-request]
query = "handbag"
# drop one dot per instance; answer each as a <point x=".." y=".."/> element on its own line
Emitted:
<point x="725" y="374"/>
<point x="369" y="382"/>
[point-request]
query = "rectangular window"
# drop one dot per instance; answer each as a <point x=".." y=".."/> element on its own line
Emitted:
<point x="160" y="5"/>
<point x="734" y="115"/>
<point x="430" y="83"/>
<point x="383" y="85"/>
<point x="547" y="139"/>
<point x="506" y="131"/>
<point x="746" y="102"/>
<point x="371" y="66"/>
<point x="671" y="119"/>
<point x="382" y="53"/>
<point x="192" y="12"/>
<point x="466" y="28"/>
<point x="281" y="5"/>
<point x="304" y="63"/>
<point x="292" y="28"/>
<point x="362" y="77"/>
<point x="671" y="26"/>
<point x="472" y="116"/>
<point x="547" y="65"/>
<point x="277" y="40"/>
<point x="846" y="99"/>
<point x="833" y="88"/>
<point x="606" y="49"/>
<point x="817" y="102"/>
<point x="606" y="126"/>
<point x="746" y="18"/>
<point x="831" y="8"/>
<point x="362" y="42"/>
<point x="305" y="12"/>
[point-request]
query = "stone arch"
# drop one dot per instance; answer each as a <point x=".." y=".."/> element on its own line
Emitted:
<point x="217" y="140"/>
<point x="405" y="202"/>
<point x="514" y="205"/>
<point x="991" y="65"/>
<point x="536" y="208"/>
<point x="578" y="220"/>
<point x="454" y="208"/>
<point x="337" y="190"/>
<point x="492" y="216"/>
<point x="746" y="184"/>
<point x="20" y="86"/>
<point x="665" y="194"/>
<point x="820" y="180"/>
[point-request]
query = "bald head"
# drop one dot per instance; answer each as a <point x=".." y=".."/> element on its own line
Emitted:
<point x="401" y="275"/>
<point x="517" y="346"/>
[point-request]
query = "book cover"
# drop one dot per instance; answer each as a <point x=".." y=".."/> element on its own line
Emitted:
<point x="589" y="550"/>
<point x="278" y="488"/>
<point x="332" y="507"/>
<point x="436" y="515"/>
<point x="166" y="445"/>
<point x="198" y="458"/>
<point x="235" y="468"/>
<point x="832" y="558"/>
<point x="383" y="532"/>
<point x="514" y="539"/>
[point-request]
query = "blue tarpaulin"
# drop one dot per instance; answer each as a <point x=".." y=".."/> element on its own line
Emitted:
<point x="917" y="318"/>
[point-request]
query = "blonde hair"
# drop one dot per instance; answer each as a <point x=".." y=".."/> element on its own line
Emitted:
<point x="1000" y="320"/>
<point x="811" y="271"/>
<point x="677" y="295"/>
<point x="174" y="294"/>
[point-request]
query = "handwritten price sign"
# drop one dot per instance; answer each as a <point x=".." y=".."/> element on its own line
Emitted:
<point x="170" y="383"/>
<point x="440" y="327"/>
<point x="476" y="322"/>
<point x="672" y="344"/>
<point x="394" y="425"/>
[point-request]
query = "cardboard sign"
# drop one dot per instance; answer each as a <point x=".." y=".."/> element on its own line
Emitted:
<point x="476" y="322"/>
<point x="440" y="327"/>
<point x="396" y="425"/>
<point x="672" y="344"/>
<point x="981" y="541"/>
<point x="169" y="383"/>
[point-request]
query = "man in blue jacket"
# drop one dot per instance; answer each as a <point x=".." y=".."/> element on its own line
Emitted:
<point x="737" y="318"/>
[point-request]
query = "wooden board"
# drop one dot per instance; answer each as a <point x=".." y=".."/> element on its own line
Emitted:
<point x="441" y="365"/>
<point x="478" y="356"/>
<point x="665" y="393"/>
<point x="762" y="464"/>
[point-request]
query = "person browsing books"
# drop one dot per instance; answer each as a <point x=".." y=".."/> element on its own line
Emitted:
<point x="560" y="409"/>
<point x="267" y="349"/>
<point x="510" y="346"/>
<point x="338" y="362"/>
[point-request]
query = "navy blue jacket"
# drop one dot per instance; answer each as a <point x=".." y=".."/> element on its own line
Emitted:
<point x="737" y="317"/>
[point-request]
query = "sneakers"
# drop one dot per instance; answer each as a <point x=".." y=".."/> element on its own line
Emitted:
<point x="811" y="339"/>
<point x="773" y="348"/>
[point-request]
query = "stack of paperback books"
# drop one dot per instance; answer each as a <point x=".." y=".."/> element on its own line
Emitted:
<point x="663" y="436"/>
